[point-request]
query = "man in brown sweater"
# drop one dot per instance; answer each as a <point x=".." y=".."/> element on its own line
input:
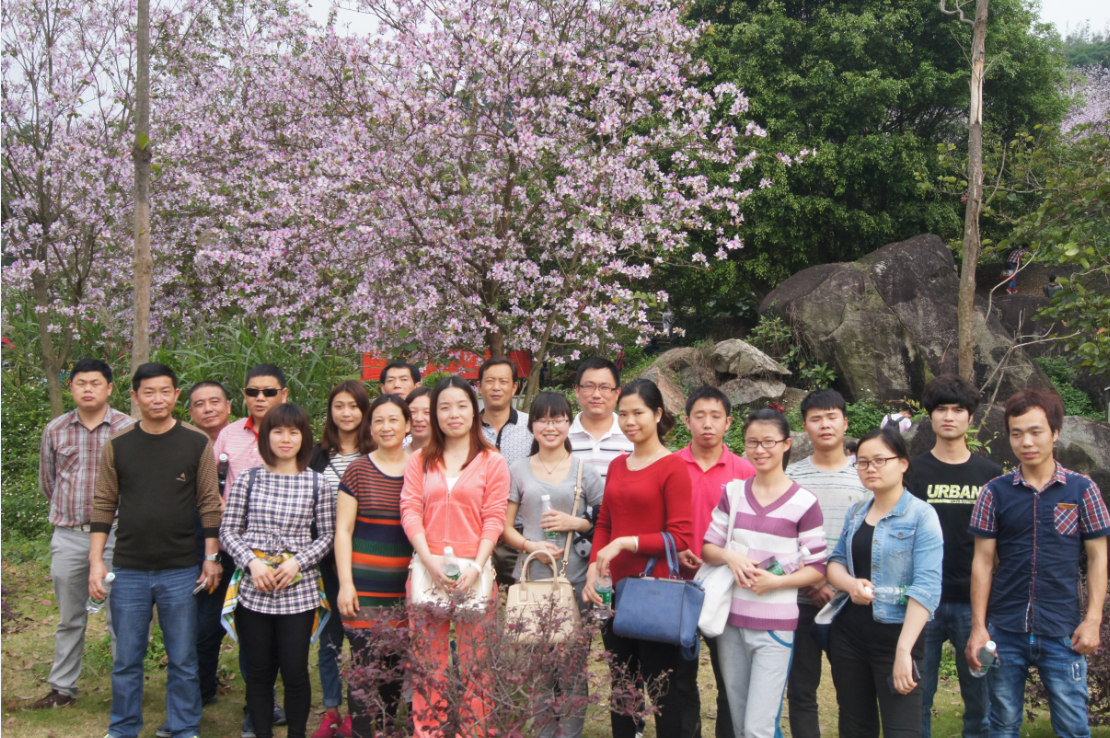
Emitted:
<point x="155" y="473"/>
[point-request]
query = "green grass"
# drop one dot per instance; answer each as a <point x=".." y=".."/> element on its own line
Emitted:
<point x="28" y="645"/>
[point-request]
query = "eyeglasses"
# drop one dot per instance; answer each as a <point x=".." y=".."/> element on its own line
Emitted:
<point x="550" y="422"/>
<point x="604" y="389"/>
<point x="765" y="443"/>
<point x="255" y="391"/>
<point x="878" y="462"/>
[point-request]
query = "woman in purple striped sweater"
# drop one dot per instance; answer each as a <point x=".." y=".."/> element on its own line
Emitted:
<point x="774" y="545"/>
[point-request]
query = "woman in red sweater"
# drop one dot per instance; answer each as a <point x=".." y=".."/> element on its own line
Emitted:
<point x="454" y="496"/>
<point x="647" y="493"/>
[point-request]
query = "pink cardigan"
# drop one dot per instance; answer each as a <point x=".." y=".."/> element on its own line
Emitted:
<point x="471" y="512"/>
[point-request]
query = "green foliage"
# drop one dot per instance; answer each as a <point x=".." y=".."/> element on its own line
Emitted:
<point x="1084" y="48"/>
<point x="431" y="379"/>
<point x="816" y="376"/>
<point x="25" y="412"/>
<point x="227" y="352"/>
<point x="773" y="337"/>
<point x="1076" y="401"/>
<point x="864" y="416"/>
<point x="871" y="85"/>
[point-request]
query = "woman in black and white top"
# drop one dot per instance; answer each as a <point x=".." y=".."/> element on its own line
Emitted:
<point x="272" y="512"/>
<point x="346" y="438"/>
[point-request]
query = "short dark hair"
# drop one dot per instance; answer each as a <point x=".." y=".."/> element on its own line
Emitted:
<point x="648" y="391"/>
<point x="824" y="399"/>
<point x="892" y="439"/>
<point x="413" y="371"/>
<point x="417" y="393"/>
<point x="549" y="405"/>
<point x="267" y="370"/>
<point x="285" y="415"/>
<point x="1052" y="278"/>
<point x="497" y="361"/>
<point x="705" y="392"/>
<point x="82" y="366"/>
<point x="950" y="389"/>
<point x="775" y="418"/>
<point x="208" y="383"/>
<point x="150" y="370"/>
<point x="598" y="362"/>
<point x="1027" y="399"/>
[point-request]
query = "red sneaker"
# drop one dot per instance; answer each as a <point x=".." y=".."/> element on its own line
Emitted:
<point x="329" y="725"/>
<point x="344" y="728"/>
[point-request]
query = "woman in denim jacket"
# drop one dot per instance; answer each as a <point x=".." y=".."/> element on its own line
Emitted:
<point x="887" y="566"/>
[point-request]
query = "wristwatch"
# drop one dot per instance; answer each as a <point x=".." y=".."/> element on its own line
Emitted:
<point x="475" y="565"/>
<point x="212" y="557"/>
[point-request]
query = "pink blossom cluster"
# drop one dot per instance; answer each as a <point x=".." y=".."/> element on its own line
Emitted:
<point x="1090" y="88"/>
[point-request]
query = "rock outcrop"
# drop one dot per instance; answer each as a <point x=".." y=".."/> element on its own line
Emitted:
<point x="887" y="323"/>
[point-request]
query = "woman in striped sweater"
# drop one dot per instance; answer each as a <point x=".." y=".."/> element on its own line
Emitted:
<point x="372" y="552"/>
<point x="773" y="520"/>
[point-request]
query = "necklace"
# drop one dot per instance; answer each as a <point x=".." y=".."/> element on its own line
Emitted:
<point x="641" y="466"/>
<point x="552" y="469"/>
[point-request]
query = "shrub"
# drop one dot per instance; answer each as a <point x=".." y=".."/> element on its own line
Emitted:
<point x="864" y="416"/>
<point x="1062" y="374"/>
<point x="25" y="411"/>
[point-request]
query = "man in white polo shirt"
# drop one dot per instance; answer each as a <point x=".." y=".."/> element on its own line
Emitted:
<point x="595" y="435"/>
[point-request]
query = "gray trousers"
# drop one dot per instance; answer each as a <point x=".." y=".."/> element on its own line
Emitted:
<point x="69" y="568"/>
<point x="754" y="666"/>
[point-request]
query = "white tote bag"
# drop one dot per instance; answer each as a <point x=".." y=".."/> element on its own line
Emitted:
<point x="423" y="589"/>
<point x="718" y="581"/>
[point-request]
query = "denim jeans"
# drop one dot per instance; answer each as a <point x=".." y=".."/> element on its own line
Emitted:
<point x="331" y="640"/>
<point x="1063" y="673"/>
<point x="134" y="595"/>
<point x="210" y="629"/>
<point x="952" y="622"/>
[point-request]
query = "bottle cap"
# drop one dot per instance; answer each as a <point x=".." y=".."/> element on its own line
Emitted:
<point x="448" y="551"/>
<point x="223" y="457"/>
<point x="804" y="551"/>
<point x="110" y="576"/>
<point x="545" y="498"/>
<point x="991" y="646"/>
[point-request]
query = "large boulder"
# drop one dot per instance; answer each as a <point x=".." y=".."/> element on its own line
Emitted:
<point x="691" y="365"/>
<point x="741" y="359"/>
<point x="750" y="391"/>
<point x="673" y="399"/>
<point x="887" y="323"/>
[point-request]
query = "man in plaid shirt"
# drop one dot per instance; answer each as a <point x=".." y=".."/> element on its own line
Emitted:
<point x="1037" y="520"/>
<point x="68" y="465"/>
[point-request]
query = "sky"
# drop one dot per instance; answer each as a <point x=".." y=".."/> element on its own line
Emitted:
<point x="1070" y="14"/>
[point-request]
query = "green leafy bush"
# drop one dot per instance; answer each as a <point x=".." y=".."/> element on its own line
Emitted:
<point x="1062" y="374"/>
<point x="864" y="416"/>
<point x="25" y="411"/>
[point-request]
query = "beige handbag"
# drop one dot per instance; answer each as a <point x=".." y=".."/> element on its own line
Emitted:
<point x="527" y="599"/>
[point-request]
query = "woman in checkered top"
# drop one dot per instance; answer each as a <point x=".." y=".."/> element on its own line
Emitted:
<point x="279" y="523"/>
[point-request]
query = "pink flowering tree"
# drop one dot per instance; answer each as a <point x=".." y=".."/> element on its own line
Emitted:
<point x="499" y="174"/>
<point x="1090" y="88"/>
<point x="65" y="170"/>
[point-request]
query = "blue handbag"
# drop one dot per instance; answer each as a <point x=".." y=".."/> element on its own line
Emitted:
<point x="660" y="610"/>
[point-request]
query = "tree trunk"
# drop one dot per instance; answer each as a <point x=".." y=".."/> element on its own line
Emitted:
<point x="966" y="309"/>
<point x="51" y="363"/>
<point x="143" y="263"/>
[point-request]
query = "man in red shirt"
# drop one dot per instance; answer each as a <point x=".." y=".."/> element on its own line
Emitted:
<point x="711" y="466"/>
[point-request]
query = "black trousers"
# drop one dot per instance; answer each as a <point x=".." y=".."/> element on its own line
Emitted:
<point x="272" y="643"/>
<point x="679" y="705"/>
<point x="861" y="663"/>
<point x="805" y="678"/>
<point x="723" y="728"/>
<point x="363" y="724"/>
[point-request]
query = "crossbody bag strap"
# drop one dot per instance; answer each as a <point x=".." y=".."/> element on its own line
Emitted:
<point x="252" y="474"/>
<point x="573" y="511"/>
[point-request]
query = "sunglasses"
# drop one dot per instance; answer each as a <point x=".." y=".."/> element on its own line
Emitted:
<point x="255" y="392"/>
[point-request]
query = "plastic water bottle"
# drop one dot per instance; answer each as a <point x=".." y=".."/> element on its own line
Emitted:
<point x="891" y="595"/>
<point x="552" y="536"/>
<point x="451" y="564"/>
<point x="988" y="657"/>
<point x="787" y="564"/>
<point x="604" y="588"/>
<point x="94" y="605"/>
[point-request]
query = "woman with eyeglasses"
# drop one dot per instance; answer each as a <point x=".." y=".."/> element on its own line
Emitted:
<point x="887" y="566"/>
<point x="346" y="439"/>
<point x="552" y="471"/>
<point x="774" y="546"/>
<point x="647" y="494"/>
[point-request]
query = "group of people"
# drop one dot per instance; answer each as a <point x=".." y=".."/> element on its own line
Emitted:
<point x="255" y="529"/>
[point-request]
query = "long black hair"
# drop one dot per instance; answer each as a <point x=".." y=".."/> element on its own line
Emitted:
<point x="775" y="418"/>
<point x="549" y="405"/>
<point x="649" y="392"/>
